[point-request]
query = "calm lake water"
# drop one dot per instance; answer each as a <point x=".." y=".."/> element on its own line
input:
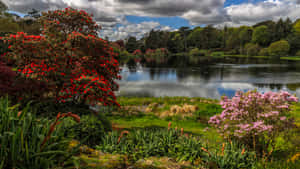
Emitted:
<point x="211" y="81"/>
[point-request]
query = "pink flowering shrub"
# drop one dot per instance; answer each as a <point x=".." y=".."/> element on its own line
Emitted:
<point x="253" y="118"/>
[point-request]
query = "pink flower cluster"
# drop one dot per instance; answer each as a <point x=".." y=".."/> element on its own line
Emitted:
<point x="253" y="114"/>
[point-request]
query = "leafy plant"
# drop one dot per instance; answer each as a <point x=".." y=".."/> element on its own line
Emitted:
<point x="149" y="142"/>
<point x="28" y="142"/>
<point x="91" y="128"/>
<point x="231" y="156"/>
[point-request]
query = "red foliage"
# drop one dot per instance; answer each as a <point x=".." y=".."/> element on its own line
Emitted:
<point x="18" y="87"/>
<point x="137" y="52"/>
<point x="75" y="63"/>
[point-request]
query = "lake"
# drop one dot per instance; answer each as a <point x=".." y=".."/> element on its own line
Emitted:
<point x="209" y="81"/>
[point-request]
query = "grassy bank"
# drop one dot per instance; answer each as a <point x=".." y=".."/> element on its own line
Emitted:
<point x="287" y="58"/>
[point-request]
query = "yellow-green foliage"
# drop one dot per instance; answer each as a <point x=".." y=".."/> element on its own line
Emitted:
<point x="279" y="48"/>
<point x="296" y="28"/>
<point x="263" y="52"/>
<point x="252" y="49"/>
<point x="8" y="25"/>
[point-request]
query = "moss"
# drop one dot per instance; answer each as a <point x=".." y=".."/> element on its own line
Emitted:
<point x="162" y="163"/>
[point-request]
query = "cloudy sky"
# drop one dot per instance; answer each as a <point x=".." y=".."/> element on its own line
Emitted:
<point x="122" y="18"/>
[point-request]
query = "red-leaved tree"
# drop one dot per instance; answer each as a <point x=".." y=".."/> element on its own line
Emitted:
<point x="69" y="56"/>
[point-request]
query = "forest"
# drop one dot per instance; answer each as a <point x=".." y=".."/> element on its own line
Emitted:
<point x="268" y="39"/>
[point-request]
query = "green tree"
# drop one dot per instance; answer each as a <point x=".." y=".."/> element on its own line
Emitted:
<point x="184" y="31"/>
<point x="131" y="44"/>
<point x="8" y="25"/>
<point x="279" y="48"/>
<point x="294" y="38"/>
<point x="3" y="7"/>
<point x="175" y="42"/>
<point x="296" y="28"/>
<point x="232" y="40"/>
<point x="245" y="35"/>
<point x="261" y="35"/>
<point x="282" y="29"/>
<point x="294" y="41"/>
<point x="156" y="39"/>
<point x="210" y="38"/>
<point x="252" y="49"/>
<point x="194" y="38"/>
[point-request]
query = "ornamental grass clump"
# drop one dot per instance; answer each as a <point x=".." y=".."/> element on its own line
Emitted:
<point x="28" y="142"/>
<point x="254" y="118"/>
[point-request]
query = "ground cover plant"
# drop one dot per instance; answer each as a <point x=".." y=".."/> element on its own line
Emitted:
<point x="142" y="143"/>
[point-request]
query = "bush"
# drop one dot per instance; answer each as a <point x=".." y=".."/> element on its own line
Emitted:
<point x="254" y="119"/>
<point x="142" y="143"/>
<point x="298" y="53"/>
<point x="264" y="52"/>
<point x="19" y="88"/>
<point x="217" y="54"/>
<point x="252" y="49"/>
<point x="195" y="52"/>
<point x="48" y="108"/>
<point x="279" y="48"/>
<point x="91" y="129"/>
<point x="28" y="142"/>
<point x="69" y="56"/>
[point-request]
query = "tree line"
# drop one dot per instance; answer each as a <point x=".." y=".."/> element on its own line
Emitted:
<point x="267" y="38"/>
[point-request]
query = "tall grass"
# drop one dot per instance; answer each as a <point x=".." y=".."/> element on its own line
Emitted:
<point x="28" y="142"/>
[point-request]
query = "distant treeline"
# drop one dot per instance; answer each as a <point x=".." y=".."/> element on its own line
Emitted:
<point x="268" y="38"/>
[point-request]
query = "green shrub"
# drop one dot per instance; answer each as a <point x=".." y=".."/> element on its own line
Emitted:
<point x="279" y="48"/>
<point x="49" y="108"/>
<point x="252" y="49"/>
<point x="204" y="52"/>
<point x="217" y="54"/>
<point x="25" y="142"/>
<point x="298" y="53"/>
<point x="142" y="143"/>
<point x="194" y="52"/>
<point x="264" y="52"/>
<point x="91" y="129"/>
<point x="232" y="52"/>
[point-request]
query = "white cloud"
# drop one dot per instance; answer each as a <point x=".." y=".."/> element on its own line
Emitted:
<point x="109" y="13"/>
<point x="130" y="29"/>
<point x="249" y="13"/>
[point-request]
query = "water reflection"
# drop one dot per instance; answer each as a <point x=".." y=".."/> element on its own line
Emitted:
<point x="209" y="81"/>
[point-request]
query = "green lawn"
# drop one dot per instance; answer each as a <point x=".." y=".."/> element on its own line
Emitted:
<point x="292" y="58"/>
<point x="245" y="56"/>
